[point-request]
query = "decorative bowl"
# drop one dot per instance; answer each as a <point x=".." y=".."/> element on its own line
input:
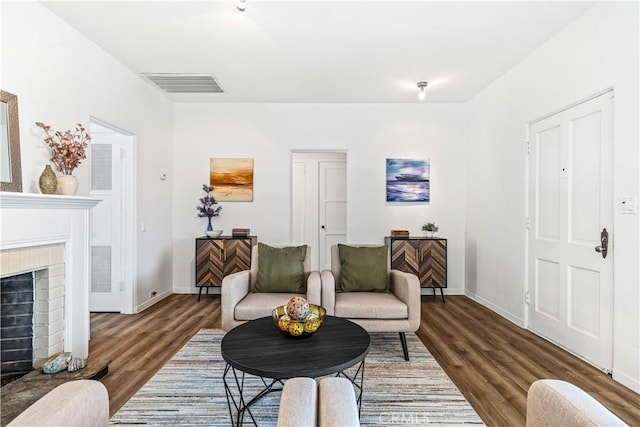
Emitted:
<point x="213" y="233"/>
<point x="298" y="328"/>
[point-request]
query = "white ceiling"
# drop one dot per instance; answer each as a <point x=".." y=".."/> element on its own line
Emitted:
<point x="323" y="51"/>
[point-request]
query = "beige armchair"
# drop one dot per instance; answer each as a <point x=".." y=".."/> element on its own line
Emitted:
<point x="559" y="403"/>
<point x="75" y="403"/>
<point x="240" y="301"/>
<point x="397" y="310"/>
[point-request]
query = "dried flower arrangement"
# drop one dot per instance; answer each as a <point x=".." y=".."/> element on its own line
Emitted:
<point x="208" y="208"/>
<point x="67" y="148"/>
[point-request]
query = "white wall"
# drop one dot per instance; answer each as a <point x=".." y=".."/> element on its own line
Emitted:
<point x="61" y="78"/>
<point x="369" y="133"/>
<point x="597" y="51"/>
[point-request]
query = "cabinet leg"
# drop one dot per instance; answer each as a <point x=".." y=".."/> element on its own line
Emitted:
<point x="200" y="293"/>
<point x="441" y="293"/>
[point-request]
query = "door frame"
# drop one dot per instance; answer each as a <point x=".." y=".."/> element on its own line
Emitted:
<point x="528" y="207"/>
<point x="129" y="245"/>
<point x="316" y="155"/>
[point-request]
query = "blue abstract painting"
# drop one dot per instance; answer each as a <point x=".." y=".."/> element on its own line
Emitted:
<point x="408" y="180"/>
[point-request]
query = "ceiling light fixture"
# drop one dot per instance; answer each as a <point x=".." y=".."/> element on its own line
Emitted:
<point x="242" y="5"/>
<point x="422" y="89"/>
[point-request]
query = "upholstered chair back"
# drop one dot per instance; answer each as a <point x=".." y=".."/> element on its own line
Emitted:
<point x="253" y="276"/>
<point x="335" y="261"/>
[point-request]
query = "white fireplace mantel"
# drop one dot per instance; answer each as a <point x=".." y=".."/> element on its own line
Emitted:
<point x="30" y="220"/>
<point x="44" y="201"/>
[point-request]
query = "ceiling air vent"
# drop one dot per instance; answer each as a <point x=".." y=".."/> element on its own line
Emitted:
<point x="185" y="83"/>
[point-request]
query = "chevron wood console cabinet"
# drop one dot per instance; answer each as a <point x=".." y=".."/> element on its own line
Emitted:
<point x="219" y="257"/>
<point x="426" y="257"/>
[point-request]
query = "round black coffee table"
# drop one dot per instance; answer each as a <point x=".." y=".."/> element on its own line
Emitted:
<point x="259" y="348"/>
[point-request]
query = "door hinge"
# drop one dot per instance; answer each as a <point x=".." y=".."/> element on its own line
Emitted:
<point x="528" y="146"/>
<point x="526" y="297"/>
<point x="527" y="222"/>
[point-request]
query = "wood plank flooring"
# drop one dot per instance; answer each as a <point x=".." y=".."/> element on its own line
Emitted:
<point x="491" y="361"/>
<point x="139" y="345"/>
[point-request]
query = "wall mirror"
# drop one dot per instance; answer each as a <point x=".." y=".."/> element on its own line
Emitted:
<point x="10" y="166"/>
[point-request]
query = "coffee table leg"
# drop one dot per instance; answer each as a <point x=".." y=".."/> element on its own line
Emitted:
<point x="358" y="382"/>
<point x="241" y="405"/>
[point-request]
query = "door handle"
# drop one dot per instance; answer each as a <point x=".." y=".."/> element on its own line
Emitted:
<point x="322" y="226"/>
<point x="604" y="243"/>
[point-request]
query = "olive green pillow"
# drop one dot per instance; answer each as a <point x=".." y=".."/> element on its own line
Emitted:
<point x="363" y="269"/>
<point x="281" y="269"/>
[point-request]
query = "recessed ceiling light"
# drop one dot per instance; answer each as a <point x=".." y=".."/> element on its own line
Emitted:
<point x="242" y="5"/>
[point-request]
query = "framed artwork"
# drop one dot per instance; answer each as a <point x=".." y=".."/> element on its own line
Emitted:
<point x="231" y="179"/>
<point x="408" y="180"/>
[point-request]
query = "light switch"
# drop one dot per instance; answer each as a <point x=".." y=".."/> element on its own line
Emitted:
<point x="627" y="205"/>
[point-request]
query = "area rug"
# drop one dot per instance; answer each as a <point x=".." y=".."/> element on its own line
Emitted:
<point x="188" y="390"/>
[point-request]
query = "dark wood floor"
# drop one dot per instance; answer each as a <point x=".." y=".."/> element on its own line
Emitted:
<point x="491" y="361"/>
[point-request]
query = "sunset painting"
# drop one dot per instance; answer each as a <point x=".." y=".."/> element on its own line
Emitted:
<point x="231" y="179"/>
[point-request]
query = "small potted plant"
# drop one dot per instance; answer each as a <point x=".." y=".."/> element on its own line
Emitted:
<point x="430" y="228"/>
<point x="208" y="209"/>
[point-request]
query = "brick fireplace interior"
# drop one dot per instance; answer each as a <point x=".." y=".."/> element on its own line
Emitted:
<point x="32" y="308"/>
<point x="16" y="326"/>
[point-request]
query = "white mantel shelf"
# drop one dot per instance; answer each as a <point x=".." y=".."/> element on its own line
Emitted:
<point x="9" y="200"/>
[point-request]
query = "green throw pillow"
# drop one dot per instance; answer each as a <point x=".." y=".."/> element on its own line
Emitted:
<point x="281" y="269"/>
<point x="363" y="269"/>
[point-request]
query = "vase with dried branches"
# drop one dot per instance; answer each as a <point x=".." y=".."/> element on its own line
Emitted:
<point x="208" y="207"/>
<point x="68" y="148"/>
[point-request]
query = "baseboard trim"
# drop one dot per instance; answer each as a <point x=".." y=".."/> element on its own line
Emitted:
<point x="498" y="310"/>
<point x="213" y="290"/>
<point x="447" y="291"/>
<point x="151" y="301"/>
<point x="185" y="290"/>
<point x="627" y="381"/>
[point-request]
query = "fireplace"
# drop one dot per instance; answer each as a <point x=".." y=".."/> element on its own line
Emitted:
<point x="48" y="237"/>
<point x="16" y="325"/>
<point x="34" y="274"/>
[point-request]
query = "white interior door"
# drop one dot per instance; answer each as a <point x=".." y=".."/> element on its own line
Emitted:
<point x="333" y="208"/>
<point x="571" y="203"/>
<point x="318" y="203"/>
<point x="107" y="230"/>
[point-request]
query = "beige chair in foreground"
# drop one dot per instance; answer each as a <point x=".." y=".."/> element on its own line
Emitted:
<point x="82" y="403"/>
<point x="241" y="301"/>
<point x="553" y="403"/>
<point x="397" y="310"/>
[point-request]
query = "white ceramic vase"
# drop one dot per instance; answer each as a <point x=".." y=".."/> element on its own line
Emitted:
<point x="67" y="185"/>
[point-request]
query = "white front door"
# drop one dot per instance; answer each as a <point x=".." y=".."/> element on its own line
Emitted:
<point x="318" y="203"/>
<point x="571" y="203"/>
